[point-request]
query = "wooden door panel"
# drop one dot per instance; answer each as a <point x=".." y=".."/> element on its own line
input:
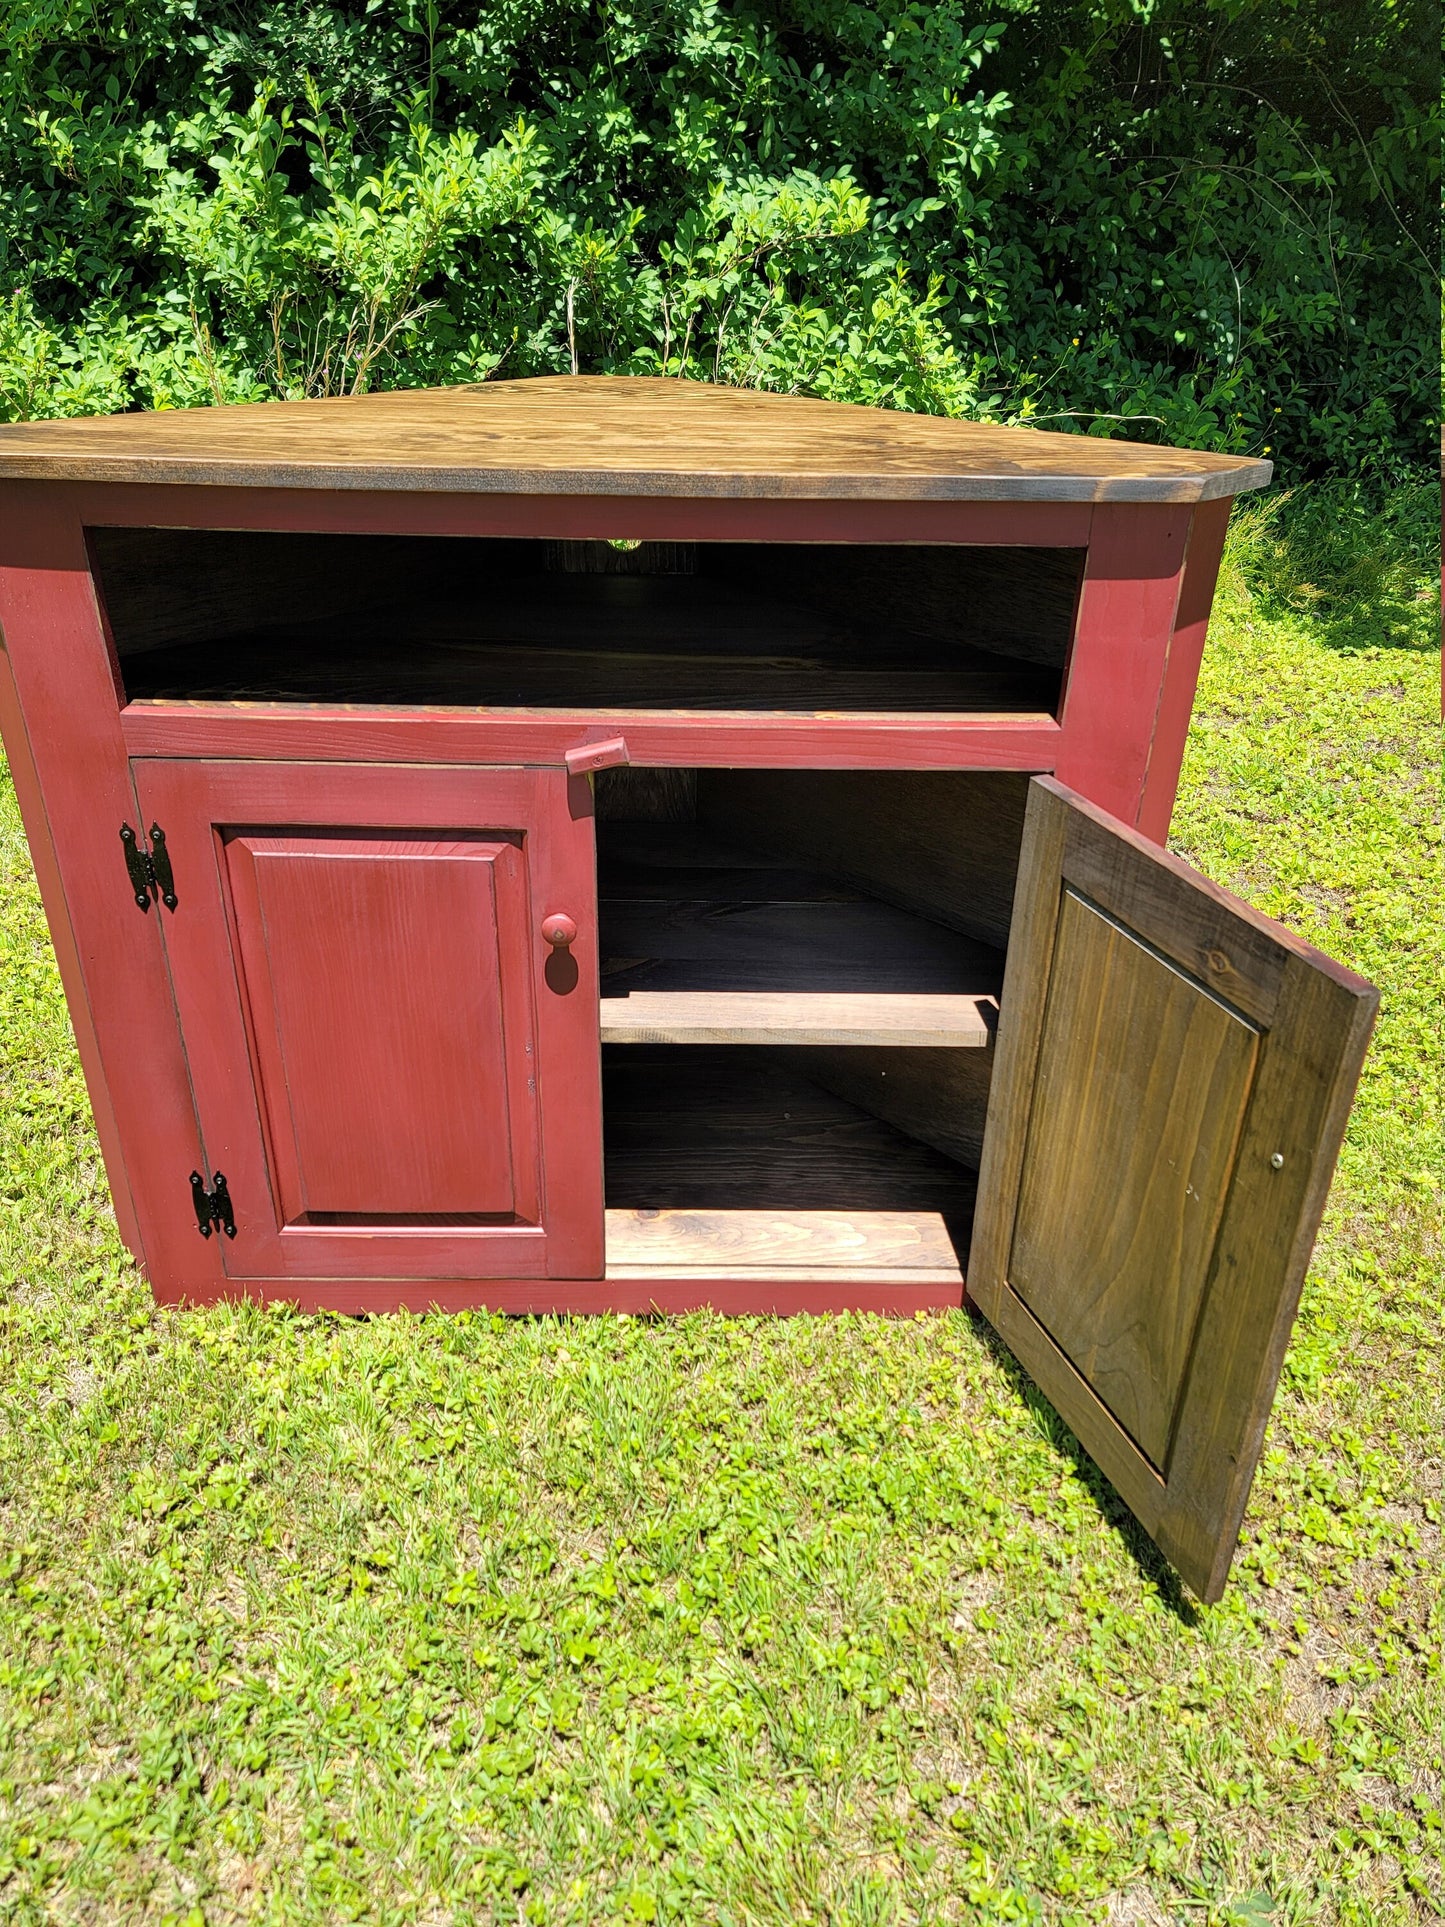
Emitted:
<point x="396" y="1073"/>
<point x="1143" y="1072"/>
<point x="1172" y="1079"/>
<point x="385" y="1087"/>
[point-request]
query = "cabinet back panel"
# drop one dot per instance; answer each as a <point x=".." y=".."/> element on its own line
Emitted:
<point x="944" y="843"/>
<point x="733" y="1127"/>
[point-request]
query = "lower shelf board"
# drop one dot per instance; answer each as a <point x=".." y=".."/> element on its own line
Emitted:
<point x="803" y="1247"/>
<point x="705" y="943"/>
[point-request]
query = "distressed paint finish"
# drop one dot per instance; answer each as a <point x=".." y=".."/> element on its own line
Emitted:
<point x="1119" y="734"/>
<point x="74" y="789"/>
<point x="1181" y="668"/>
<point x="269" y="732"/>
<point x="1128" y="604"/>
<point x="428" y="893"/>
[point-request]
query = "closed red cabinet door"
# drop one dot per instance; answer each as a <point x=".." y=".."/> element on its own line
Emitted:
<point x="394" y="1069"/>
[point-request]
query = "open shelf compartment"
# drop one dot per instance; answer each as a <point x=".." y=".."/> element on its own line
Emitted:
<point x="492" y="624"/>
<point x="710" y="942"/>
<point x="800" y="981"/>
<point x="733" y="1160"/>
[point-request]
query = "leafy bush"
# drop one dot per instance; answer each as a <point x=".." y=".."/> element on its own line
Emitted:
<point x="1208" y="220"/>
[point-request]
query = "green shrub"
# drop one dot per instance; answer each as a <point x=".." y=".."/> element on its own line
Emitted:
<point x="1207" y="220"/>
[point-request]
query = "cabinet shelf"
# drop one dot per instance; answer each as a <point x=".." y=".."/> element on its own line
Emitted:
<point x="706" y="943"/>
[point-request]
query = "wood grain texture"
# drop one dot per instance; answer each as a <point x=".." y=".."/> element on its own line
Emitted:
<point x="267" y="732"/>
<point x="1144" y="1075"/>
<point x="1301" y="1103"/>
<point x="939" y="1097"/>
<point x="908" y="1245"/>
<point x="812" y="1017"/>
<point x="1124" y="1080"/>
<point x="300" y="1172"/>
<point x="612" y="435"/>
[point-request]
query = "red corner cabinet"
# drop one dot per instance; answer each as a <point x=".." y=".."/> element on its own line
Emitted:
<point x="588" y="844"/>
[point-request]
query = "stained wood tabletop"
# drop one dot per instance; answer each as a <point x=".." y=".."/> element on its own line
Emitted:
<point x="614" y="435"/>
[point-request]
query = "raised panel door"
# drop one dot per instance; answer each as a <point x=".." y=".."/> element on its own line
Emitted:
<point x="392" y="1067"/>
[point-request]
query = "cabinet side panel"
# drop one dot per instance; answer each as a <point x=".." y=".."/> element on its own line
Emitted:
<point x="62" y="937"/>
<point x="1181" y="673"/>
<point x="65" y="691"/>
<point x="1127" y="612"/>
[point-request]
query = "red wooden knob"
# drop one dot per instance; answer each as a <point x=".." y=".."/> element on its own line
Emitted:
<point x="559" y="931"/>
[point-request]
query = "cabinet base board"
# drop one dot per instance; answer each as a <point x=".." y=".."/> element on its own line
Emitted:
<point x="740" y="1263"/>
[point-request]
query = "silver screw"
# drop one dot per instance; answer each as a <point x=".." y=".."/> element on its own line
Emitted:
<point x="1278" y="1160"/>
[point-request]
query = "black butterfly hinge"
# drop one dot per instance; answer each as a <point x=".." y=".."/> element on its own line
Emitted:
<point x="213" y="1206"/>
<point x="149" y="870"/>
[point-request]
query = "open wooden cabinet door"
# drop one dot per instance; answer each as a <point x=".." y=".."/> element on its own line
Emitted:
<point x="1173" y="1076"/>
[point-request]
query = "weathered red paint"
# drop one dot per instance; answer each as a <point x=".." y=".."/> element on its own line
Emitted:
<point x="271" y="732"/>
<point x="374" y="777"/>
<point x="1181" y="668"/>
<point x="423" y="1100"/>
<point x="572" y="517"/>
<point x="1127" y="609"/>
<point x="79" y="798"/>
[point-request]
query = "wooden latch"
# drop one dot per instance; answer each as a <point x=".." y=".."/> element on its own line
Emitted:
<point x="608" y="755"/>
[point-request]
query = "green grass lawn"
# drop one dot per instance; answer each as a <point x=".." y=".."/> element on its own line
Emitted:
<point x="436" y="1619"/>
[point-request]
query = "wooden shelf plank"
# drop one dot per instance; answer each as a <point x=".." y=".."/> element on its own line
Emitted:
<point x="898" y="1246"/>
<point x="799" y="1017"/>
<point x="707" y="944"/>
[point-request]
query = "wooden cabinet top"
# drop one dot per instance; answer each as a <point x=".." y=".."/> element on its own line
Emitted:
<point x="614" y="435"/>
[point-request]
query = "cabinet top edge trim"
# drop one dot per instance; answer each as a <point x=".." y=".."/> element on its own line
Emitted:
<point x="614" y="436"/>
<point x="24" y="465"/>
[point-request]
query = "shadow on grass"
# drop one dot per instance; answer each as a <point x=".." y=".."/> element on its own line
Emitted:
<point x="1153" y="1567"/>
<point x="1367" y="572"/>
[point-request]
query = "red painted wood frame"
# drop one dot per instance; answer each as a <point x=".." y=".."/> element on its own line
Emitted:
<point x="1129" y="682"/>
<point x="1147" y="587"/>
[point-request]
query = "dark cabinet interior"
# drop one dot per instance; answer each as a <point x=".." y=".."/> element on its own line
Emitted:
<point x="799" y="628"/>
<point x="800" y="974"/>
